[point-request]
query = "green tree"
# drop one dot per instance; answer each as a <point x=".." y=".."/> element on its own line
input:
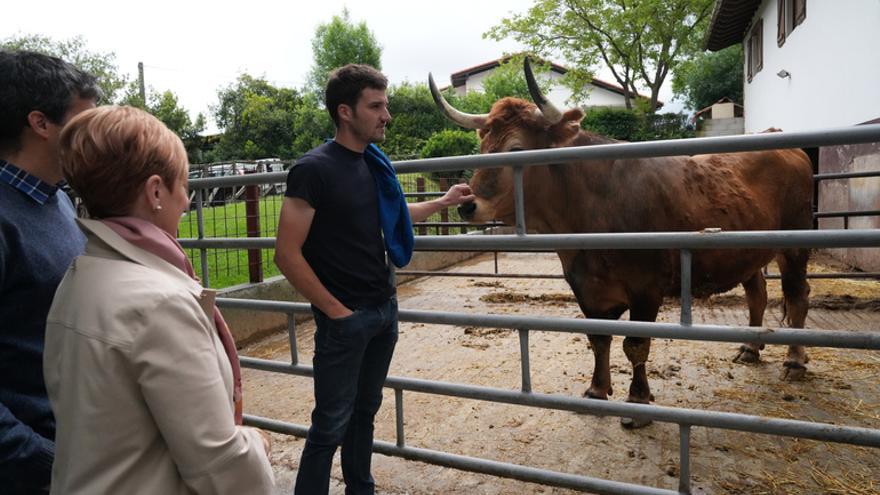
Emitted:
<point x="341" y="42"/>
<point x="257" y="119"/>
<point x="640" y="42"/>
<point x="312" y="124"/>
<point x="166" y="107"/>
<point x="414" y="119"/>
<point x="708" y="77"/>
<point x="74" y="50"/>
<point x="508" y="79"/>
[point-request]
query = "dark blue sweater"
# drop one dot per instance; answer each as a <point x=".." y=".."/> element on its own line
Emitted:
<point x="37" y="244"/>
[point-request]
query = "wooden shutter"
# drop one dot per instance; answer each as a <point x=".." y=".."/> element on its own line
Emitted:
<point x="780" y="22"/>
<point x="749" y="56"/>
<point x="800" y="11"/>
<point x="754" y="49"/>
<point x="758" y="34"/>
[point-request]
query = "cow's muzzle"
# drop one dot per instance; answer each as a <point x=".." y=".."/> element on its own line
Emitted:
<point x="466" y="210"/>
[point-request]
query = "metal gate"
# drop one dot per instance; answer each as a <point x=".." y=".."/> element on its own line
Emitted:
<point x="684" y="242"/>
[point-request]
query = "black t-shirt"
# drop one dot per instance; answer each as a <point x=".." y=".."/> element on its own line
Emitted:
<point x="344" y="246"/>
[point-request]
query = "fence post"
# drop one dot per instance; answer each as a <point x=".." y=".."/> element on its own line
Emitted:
<point x="420" y="187"/>
<point x="463" y="229"/>
<point x="252" y="214"/>
<point x="444" y="213"/>
<point x="203" y="253"/>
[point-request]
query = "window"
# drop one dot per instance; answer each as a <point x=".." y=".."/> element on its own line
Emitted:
<point x="789" y="15"/>
<point x="755" y="46"/>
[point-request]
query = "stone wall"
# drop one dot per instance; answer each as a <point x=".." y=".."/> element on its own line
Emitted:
<point x="722" y="127"/>
<point x="851" y="195"/>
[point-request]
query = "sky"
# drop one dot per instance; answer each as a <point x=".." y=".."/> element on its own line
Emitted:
<point x="194" y="48"/>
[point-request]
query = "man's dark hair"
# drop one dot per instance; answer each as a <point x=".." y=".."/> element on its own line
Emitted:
<point x="346" y="83"/>
<point x="33" y="81"/>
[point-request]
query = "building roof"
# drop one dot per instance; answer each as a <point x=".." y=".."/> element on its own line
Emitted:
<point x="459" y="78"/>
<point x="730" y="19"/>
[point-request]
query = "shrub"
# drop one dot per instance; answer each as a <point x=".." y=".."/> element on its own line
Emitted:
<point x="615" y="123"/>
<point x="449" y="142"/>
<point x="633" y="125"/>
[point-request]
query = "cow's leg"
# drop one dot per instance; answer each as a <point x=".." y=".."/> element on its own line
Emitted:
<point x="756" y="297"/>
<point x="597" y="299"/>
<point x="795" y="290"/>
<point x="600" y="385"/>
<point x="637" y="349"/>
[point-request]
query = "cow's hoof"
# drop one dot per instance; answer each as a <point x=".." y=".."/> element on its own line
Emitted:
<point x="793" y="371"/>
<point x="746" y="355"/>
<point x="634" y="423"/>
<point x="590" y="393"/>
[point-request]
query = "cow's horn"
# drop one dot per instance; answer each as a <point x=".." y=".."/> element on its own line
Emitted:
<point x="551" y="113"/>
<point x="466" y="120"/>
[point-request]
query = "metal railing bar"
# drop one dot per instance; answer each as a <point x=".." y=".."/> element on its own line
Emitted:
<point x="832" y="275"/>
<point x="427" y="194"/>
<point x="658" y="240"/>
<point x="239" y="180"/>
<point x="860" y="213"/>
<point x="291" y="337"/>
<point x="519" y="202"/>
<point x="398" y="416"/>
<point x="203" y="252"/>
<point x="684" y="458"/>
<point x="846" y="175"/>
<point x="525" y="368"/>
<point x="629" y="241"/>
<point x="686" y="316"/>
<point x="458" y="224"/>
<point x="692" y="146"/>
<point x="428" y="273"/>
<point x="693" y="417"/>
<point x="703" y="332"/>
<point x="477" y="465"/>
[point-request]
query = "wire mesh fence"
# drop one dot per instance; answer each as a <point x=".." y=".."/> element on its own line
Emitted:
<point x="235" y="211"/>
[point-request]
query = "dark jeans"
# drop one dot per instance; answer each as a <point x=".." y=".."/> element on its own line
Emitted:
<point x="351" y="362"/>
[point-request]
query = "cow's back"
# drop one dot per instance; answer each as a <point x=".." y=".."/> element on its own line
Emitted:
<point x="763" y="190"/>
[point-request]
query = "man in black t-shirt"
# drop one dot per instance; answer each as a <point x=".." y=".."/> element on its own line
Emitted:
<point x="330" y="247"/>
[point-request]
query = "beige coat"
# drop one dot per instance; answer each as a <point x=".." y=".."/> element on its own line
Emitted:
<point x="140" y="383"/>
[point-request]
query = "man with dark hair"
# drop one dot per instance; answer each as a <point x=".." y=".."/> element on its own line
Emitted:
<point x="38" y="240"/>
<point x="343" y="211"/>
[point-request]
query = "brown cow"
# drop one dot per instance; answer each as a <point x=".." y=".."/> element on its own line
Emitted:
<point x="763" y="190"/>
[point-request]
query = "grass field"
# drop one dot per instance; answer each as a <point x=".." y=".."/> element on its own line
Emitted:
<point x="227" y="267"/>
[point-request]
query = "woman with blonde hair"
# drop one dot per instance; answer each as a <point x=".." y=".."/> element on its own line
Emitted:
<point x="140" y="367"/>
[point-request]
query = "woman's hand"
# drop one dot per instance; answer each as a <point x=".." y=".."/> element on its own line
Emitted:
<point x="264" y="436"/>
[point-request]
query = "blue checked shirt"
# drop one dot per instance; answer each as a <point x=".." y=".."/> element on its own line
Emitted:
<point x="36" y="189"/>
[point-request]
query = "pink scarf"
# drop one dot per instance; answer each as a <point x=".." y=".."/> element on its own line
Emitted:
<point x="154" y="240"/>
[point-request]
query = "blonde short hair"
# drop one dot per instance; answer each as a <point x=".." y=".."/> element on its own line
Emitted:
<point x="109" y="152"/>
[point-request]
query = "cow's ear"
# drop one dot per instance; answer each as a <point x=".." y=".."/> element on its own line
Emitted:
<point x="568" y="127"/>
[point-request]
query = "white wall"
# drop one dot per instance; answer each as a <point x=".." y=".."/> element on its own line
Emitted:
<point x="558" y="95"/>
<point x="834" y="61"/>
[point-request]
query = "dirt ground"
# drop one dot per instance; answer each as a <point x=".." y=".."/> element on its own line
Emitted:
<point x="841" y="387"/>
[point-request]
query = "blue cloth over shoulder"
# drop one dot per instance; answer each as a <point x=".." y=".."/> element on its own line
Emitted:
<point x="393" y="213"/>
